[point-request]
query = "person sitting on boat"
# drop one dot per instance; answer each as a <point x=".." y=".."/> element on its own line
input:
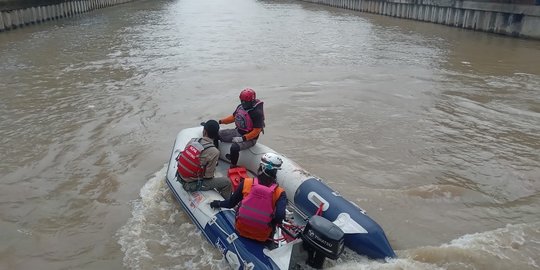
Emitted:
<point x="249" y="120"/>
<point x="197" y="163"/>
<point x="262" y="201"/>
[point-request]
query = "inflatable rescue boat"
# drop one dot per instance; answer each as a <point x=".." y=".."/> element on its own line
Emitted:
<point x="320" y="223"/>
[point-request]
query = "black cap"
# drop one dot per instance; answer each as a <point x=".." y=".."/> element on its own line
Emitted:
<point x="212" y="128"/>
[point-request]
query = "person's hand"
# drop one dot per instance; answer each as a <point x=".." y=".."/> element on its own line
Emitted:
<point x="237" y="139"/>
<point x="215" y="204"/>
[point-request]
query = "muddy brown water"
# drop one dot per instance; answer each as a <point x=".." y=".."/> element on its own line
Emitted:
<point x="435" y="131"/>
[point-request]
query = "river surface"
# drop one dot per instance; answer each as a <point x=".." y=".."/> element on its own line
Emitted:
<point x="433" y="130"/>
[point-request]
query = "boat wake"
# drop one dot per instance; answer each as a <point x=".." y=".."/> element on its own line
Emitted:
<point x="159" y="235"/>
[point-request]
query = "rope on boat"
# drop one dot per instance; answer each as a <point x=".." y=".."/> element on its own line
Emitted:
<point x="231" y="239"/>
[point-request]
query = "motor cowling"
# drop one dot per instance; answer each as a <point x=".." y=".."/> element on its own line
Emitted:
<point x="322" y="239"/>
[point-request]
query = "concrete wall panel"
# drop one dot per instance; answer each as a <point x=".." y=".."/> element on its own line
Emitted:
<point x="2" y="26"/>
<point x="11" y="19"/>
<point x="501" y="18"/>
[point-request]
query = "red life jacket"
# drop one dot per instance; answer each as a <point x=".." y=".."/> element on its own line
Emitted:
<point x="189" y="161"/>
<point x="243" y="120"/>
<point x="254" y="216"/>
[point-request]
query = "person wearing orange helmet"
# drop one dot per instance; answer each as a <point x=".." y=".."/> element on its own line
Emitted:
<point x="249" y="120"/>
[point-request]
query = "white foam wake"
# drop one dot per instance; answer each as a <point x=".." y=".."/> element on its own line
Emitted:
<point x="159" y="235"/>
<point x="513" y="247"/>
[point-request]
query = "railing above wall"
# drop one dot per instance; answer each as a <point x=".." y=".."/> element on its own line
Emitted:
<point x="8" y="5"/>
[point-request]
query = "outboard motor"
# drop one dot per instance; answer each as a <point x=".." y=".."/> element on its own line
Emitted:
<point x="322" y="239"/>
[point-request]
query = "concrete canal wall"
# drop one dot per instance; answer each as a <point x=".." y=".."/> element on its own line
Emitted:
<point x="514" y="19"/>
<point x="501" y="18"/>
<point x="16" y="14"/>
